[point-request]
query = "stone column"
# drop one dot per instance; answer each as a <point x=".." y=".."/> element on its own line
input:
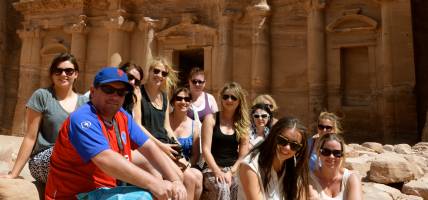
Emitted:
<point x="117" y="28"/>
<point x="260" y="59"/>
<point x="78" y="33"/>
<point x="224" y="69"/>
<point x="29" y="77"/>
<point x="146" y="26"/>
<point x="388" y="90"/>
<point x="316" y="58"/>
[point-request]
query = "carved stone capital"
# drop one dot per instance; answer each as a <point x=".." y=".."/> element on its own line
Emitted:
<point x="259" y="10"/>
<point x="33" y="32"/>
<point x="311" y="5"/>
<point x="146" y="23"/>
<point x="80" y="27"/>
<point x="119" y="23"/>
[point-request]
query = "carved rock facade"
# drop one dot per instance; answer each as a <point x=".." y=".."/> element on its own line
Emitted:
<point x="352" y="57"/>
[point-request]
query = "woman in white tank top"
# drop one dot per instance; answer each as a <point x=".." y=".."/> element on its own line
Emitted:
<point x="331" y="181"/>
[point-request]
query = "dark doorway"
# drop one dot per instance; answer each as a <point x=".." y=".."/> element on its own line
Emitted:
<point x="185" y="60"/>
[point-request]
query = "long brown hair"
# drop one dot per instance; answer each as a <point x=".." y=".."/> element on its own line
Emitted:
<point x="295" y="184"/>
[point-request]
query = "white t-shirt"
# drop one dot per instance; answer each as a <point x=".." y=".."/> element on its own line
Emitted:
<point x="275" y="184"/>
<point x="321" y="194"/>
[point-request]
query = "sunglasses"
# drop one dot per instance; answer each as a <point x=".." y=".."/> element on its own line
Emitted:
<point x="68" y="71"/>
<point x="186" y="99"/>
<point x="131" y="77"/>
<point x="282" y="141"/>
<point x="229" y="96"/>
<point x="270" y="106"/>
<point x="111" y="90"/>
<point x="260" y="116"/>
<point x="326" y="127"/>
<point x="328" y="152"/>
<point x="163" y="73"/>
<point x="196" y="82"/>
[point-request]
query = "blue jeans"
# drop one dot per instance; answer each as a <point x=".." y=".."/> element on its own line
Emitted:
<point x="117" y="193"/>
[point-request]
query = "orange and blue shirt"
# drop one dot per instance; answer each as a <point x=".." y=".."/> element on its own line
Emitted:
<point x="82" y="137"/>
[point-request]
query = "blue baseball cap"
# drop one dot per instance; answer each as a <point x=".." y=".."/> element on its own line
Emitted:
<point x="111" y="74"/>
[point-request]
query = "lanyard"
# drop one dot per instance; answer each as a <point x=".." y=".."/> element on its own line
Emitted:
<point x="118" y="137"/>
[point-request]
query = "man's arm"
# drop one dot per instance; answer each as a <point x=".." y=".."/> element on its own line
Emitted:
<point x="115" y="165"/>
<point x="159" y="160"/>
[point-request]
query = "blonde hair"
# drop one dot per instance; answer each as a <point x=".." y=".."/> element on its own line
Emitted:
<point x="241" y="118"/>
<point x="171" y="79"/>
<point x="260" y="99"/>
<point x="333" y="118"/>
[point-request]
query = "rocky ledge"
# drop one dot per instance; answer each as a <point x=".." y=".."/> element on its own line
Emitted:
<point x="388" y="172"/>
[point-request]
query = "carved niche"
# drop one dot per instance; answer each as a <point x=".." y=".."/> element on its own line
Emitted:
<point x="351" y="21"/>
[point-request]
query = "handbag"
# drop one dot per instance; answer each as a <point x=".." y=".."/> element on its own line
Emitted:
<point x="201" y="162"/>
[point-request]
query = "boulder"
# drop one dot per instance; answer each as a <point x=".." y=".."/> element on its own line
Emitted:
<point x="18" y="189"/>
<point x="377" y="147"/>
<point x="383" y="192"/>
<point x="9" y="147"/>
<point x="391" y="168"/>
<point x="358" y="147"/>
<point x="359" y="164"/>
<point x="420" y="147"/>
<point x="388" y="147"/>
<point x="417" y="187"/>
<point x="403" y="149"/>
<point x="419" y="164"/>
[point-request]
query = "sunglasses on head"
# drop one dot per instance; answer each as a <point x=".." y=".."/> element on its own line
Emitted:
<point x="328" y="152"/>
<point x="131" y="77"/>
<point x="260" y="116"/>
<point x="196" y="82"/>
<point x="270" y="106"/>
<point x="186" y="99"/>
<point x="163" y="73"/>
<point x="326" y="127"/>
<point x="229" y="96"/>
<point x="68" y="71"/>
<point x="282" y="141"/>
<point x="108" y="89"/>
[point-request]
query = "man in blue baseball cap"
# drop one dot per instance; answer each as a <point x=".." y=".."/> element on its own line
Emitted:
<point x="93" y="148"/>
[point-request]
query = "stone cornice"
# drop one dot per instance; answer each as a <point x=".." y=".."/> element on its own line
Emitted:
<point x="43" y="6"/>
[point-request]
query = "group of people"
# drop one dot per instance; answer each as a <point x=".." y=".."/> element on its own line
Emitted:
<point x="156" y="140"/>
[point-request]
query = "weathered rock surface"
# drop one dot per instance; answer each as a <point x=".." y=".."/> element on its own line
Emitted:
<point x="403" y="149"/>
<point x="377" y="147"/>
<point x="391" y="168"/>
<point x="9" y="147"/>
<point x="375" y="191"/>
<point x="417" y="187"/>
<point x="18" y="189"/>
<point x="359" y="164"/>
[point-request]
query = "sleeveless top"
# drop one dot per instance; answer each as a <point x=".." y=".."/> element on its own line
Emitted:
<point x="320" y="192"/>
<point x="152" y="118"/>
<point x="224" y="148"/>
<point x="203" y="112"/>
<point x="186" y="144"/>
<point x="274" y="185"/>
